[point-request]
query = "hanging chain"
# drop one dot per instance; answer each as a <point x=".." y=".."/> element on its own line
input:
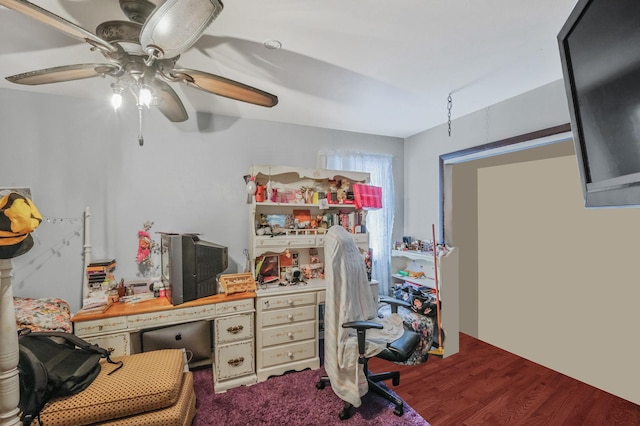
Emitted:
<point x="449" y="106"/>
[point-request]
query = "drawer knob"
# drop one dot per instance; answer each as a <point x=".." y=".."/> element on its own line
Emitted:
<point x="290" y="355"/>
<point x="100" y="327"/>
<point x="290" y="316"/>
<point x="235" y="329"/>
<point x="290" y="335"/>
<point x="236" y="362"/>
<point x="290" y="302"/>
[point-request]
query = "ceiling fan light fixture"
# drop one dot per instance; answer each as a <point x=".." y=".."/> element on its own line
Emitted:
<point x="145" y="96"/>
<point x="177" y="24"/>
<point x="116" y="97"/>
<point x="140" y="55"/>
<point x="116" y="100"/>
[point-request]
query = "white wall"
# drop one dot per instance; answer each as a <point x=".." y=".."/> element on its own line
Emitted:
<point x="539" y="109"/>
<point x="463" y="212"/>
<point x="567" y="290"/>
<point x="557" y="282"/>
<point x="186" y="178"/>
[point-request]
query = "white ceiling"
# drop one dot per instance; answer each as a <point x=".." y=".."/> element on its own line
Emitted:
<point x="369" y="66"/>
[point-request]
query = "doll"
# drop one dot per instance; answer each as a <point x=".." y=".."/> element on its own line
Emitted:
<point x="144" y="246"/>
<point x="342" y="191"/>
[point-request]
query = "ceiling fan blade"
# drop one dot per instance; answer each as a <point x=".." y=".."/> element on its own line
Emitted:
<point x="224" y="87"/>
<point x="57" y="22"/>
<point x="170" y="104"/>
<point x="176" y="25"/>
<point x="64" y="73"/>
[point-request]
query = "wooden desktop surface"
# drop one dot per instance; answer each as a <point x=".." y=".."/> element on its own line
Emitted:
<point x="157" y="304"/>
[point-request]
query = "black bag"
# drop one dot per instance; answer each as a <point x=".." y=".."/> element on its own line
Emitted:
<point x="55" y="364"/>
<point x="422" y="299"/>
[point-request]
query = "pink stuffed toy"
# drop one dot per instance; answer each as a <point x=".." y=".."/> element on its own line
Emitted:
<point x="144" y="246"/>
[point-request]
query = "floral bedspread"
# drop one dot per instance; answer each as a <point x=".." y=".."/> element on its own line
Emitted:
<point x="42" y="314"/>
<point x="423" y="325"/>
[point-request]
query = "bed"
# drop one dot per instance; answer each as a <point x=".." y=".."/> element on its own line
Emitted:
<point x="51" y="314"/>
<point x="42" y="314"/>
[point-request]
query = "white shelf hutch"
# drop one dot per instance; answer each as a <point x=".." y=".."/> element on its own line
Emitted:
<point x="413" y="260"/>
<point x="287" y="317"/>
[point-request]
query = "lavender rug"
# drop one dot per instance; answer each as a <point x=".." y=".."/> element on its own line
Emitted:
<point x="291" y="399"/>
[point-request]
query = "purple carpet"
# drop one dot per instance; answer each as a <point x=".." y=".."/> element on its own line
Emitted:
<point x="291" y="399"/>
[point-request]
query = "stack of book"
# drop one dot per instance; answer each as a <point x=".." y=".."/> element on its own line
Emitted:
<point x="98" y="301"/>
<point x="99" y="272"/>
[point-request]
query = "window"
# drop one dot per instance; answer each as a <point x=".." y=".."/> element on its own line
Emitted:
<point x="379" y="222"/>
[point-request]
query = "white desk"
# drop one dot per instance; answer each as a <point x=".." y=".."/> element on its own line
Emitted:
<point x="233" y="363"/>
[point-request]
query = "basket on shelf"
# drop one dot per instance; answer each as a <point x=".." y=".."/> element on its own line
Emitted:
<point x="237" y="283"/>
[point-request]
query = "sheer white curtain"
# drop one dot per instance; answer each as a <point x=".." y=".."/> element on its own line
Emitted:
<point x="379" y="222"/>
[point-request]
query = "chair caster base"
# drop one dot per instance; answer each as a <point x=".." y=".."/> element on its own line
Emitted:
<point x="374" y="386"/>
<point x="324" y="380"/>
<point x="346" y="411"/>
<point x="399" y="411"/>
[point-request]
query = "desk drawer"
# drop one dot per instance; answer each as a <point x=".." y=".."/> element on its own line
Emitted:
<point x="234" y="306"/>
<point x="288" y="333"/>
<point x="195" y="313"/>
<point x="288" y="316"/>
<point x="288" y="353"/>
<point x="152" y="319"/>
<point x="118" y="344"/>
<point x="289" y="241"/>
<point x="233" y="360"/>
<point x="287" y="301"/>
<point x="85" y="328"/>
<point x="234" y="328"/>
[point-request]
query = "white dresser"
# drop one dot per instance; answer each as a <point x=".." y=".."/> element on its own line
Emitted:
<point x="287" y="328"/>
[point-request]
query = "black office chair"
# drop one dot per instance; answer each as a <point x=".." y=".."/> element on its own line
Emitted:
<point x="351" y="305"/>
<point x="398" y="351"/>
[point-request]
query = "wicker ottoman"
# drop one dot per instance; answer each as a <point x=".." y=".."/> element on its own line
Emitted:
<point x="151" y="388"/>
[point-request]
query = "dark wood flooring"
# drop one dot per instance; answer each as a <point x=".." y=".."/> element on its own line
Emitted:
<point x="485" y="385"/>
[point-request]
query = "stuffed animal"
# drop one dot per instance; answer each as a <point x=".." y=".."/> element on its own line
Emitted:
<point x="342" y="191"/>
<point x="144" y="246"/>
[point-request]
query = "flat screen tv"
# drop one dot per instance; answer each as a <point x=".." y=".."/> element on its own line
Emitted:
<point x="190" y="266"/>
<point x="600" y="55"/>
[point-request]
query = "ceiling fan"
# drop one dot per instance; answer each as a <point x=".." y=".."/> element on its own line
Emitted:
<point x="142" y="54"/>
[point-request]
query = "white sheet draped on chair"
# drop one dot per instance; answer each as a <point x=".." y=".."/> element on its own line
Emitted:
<point x="349" y="298"/>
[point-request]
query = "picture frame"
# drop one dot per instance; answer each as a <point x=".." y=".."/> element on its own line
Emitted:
<point x="268" y="268"/>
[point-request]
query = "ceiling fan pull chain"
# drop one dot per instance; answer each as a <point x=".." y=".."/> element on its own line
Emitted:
<point x="140" y="137"/>
<point x="449" y="106"/>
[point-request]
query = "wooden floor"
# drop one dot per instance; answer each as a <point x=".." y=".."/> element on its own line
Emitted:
<point x="485" y="385"/>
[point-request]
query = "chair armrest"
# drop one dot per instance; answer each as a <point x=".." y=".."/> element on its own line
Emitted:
<point x="362" y="325"/>
<point x="394" y="303"/>
<point x="361" y="328"/>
